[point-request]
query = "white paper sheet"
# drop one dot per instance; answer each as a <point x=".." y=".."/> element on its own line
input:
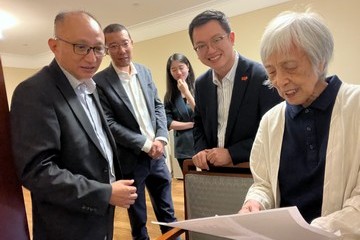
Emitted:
<point x="274" y="224"/>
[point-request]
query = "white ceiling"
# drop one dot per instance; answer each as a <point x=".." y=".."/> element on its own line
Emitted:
<point x="25" y="45"/>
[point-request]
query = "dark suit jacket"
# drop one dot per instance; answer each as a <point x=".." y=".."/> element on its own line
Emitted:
<point x="60" y="160"/>
<point x="183" y="139"/>
<point x="250" y="100"/>
<point x="121" y="116"/>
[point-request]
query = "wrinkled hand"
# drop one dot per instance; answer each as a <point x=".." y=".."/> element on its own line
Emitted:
<point x="250" y="206"/>
<point x="156" y="150"/>
<point x="200" y="159"/>
<point x="219" y="157"/>
<point x="123" y="194"/>
<point x="182" y="86"/>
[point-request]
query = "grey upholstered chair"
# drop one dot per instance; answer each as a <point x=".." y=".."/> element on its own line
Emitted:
<point x="211" y="193"/>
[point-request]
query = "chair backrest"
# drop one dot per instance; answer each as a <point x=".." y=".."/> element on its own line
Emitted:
<point x="209" y="193"/>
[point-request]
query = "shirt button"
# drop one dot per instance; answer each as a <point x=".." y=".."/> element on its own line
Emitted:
<point x="308" y="129"/>
<point x="307" y="110"/>
<point x="311" y="147"/>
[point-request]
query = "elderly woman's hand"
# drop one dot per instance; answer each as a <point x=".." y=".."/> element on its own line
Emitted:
<point x="250" y="206"/>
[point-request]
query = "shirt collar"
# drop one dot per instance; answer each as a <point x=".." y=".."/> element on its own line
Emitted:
<point x="89" y="83"/>
<point x="230" y="76"/>
<point x="125" y="75"/>
<point x="326" y="98"/>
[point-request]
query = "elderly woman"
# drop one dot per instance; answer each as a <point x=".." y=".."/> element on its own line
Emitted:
<point x="306" y="152"/>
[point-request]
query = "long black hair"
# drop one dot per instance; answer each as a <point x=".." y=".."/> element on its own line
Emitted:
<point x="172" y="92"/>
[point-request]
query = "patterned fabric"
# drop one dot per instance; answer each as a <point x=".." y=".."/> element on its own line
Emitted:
<point x="210" y="195"/>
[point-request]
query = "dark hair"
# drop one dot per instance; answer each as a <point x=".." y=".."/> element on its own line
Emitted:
<point x="115" y="27"/>
<point x="171" y="84"/>
<point x="207" y="16"/>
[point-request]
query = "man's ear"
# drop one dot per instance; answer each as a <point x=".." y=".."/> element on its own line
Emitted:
<point x="52" y="43"/>
<point x="232" y="37"/>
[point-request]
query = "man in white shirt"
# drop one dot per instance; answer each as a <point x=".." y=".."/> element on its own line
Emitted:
<point x="230" y="97"/>
<point x="137" y="120"/>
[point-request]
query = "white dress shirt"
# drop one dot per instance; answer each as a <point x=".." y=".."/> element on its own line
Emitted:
<point x="224" y="93"/>
<point x="133" y="90"/>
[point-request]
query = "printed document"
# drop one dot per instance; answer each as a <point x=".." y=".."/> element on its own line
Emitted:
<point x="273" y="224"/>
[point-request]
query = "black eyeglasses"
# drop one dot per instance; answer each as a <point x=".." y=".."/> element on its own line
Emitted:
<point x="201" y="48"/>
<point x="83" y="49"/>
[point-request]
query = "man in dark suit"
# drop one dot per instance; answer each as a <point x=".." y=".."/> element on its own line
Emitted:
<point x="64" y="151"/>
<point x="137" y="120"/>
<point x="230" y="97"/>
